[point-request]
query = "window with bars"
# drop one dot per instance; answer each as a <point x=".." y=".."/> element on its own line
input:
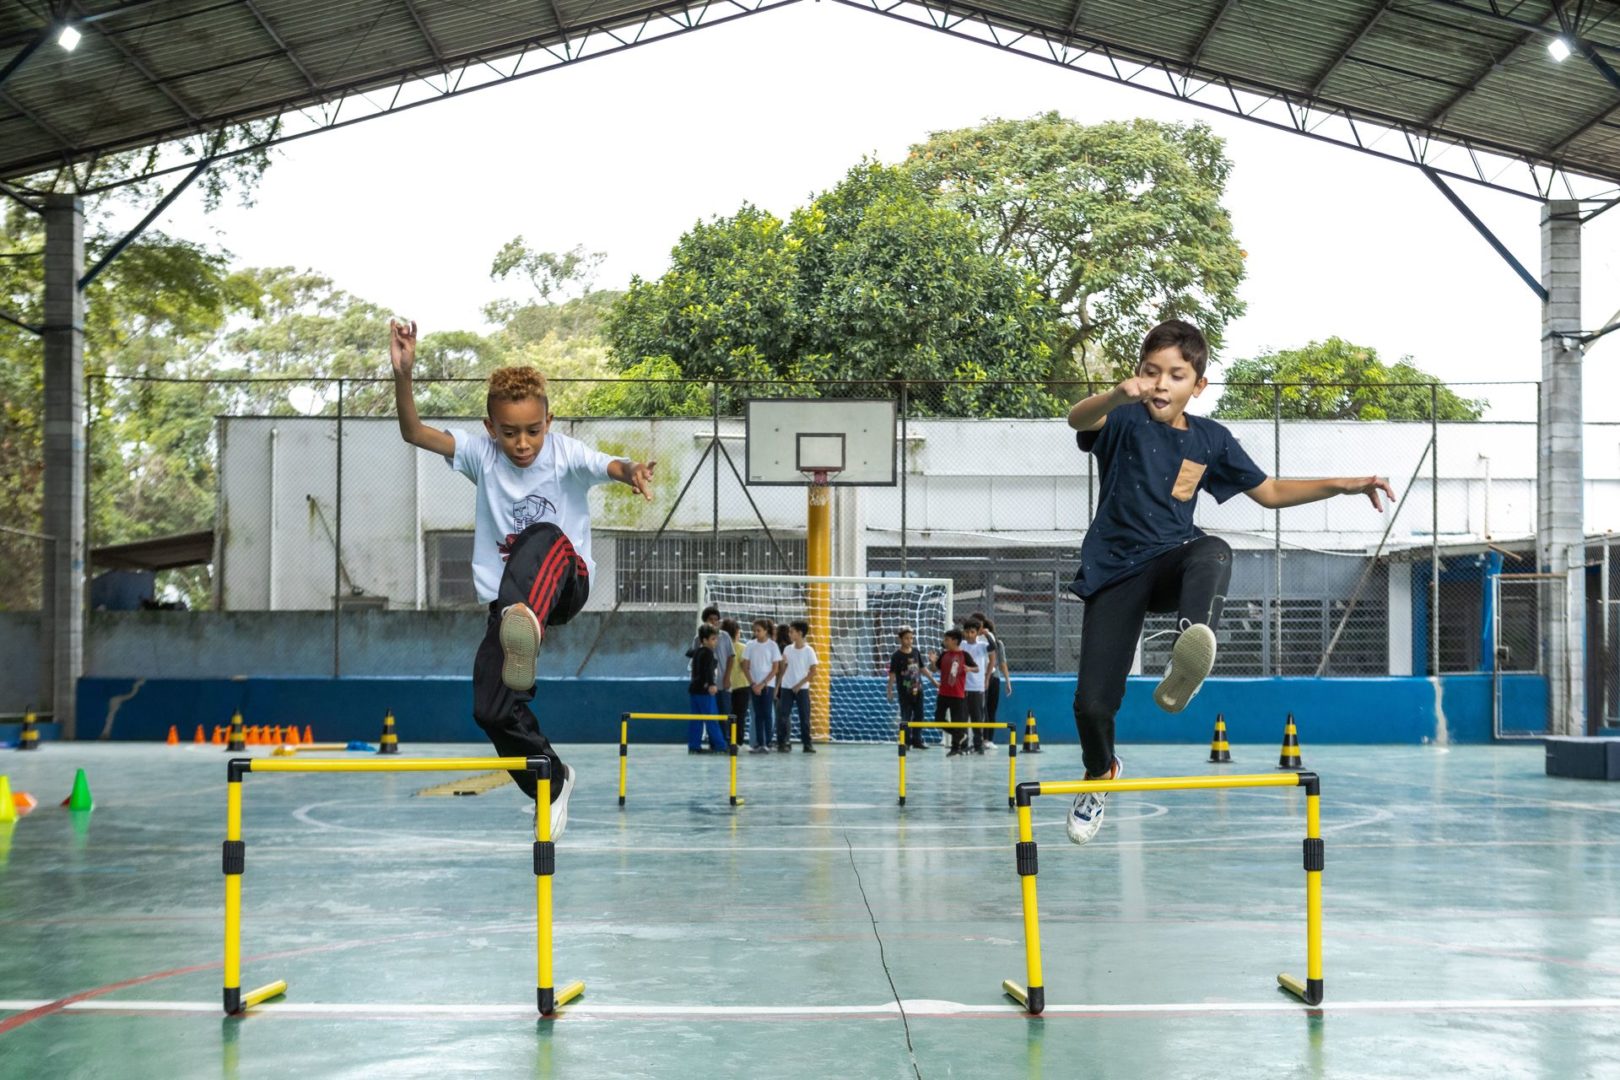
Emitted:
<point x="449" y="569"/>
<point x="664" y="571"/>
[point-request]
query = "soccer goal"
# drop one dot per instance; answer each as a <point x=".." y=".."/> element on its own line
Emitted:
<point x="853" y="623"/>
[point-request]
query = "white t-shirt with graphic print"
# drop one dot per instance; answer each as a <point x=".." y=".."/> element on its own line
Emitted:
<point x="556" y="487"/>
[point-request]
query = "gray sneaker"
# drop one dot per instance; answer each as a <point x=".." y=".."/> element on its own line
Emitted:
<point x="520" y="643"/>
<point x="1086" y="815"/>
<point x="1190" y="661"/>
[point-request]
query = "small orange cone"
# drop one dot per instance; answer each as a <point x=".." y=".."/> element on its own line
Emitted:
<point x="199" y="740"/>
<point x="23" y="802"/>
<point x="219" y="735"/>
<point x="174" y="736"/>
<point x="309" y="733"/>
<point x="255" y="735"/>
<point x="292" y="735"/>
<point x="276" y="739"/>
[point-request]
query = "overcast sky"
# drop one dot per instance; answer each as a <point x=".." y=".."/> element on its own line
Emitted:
<point x="622" y="154"/>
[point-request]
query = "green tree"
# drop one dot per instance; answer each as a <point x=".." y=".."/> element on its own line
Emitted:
<point x="870" y="281"/>
<point x="1336" y="380"/>
<point x="1120" y="224"/>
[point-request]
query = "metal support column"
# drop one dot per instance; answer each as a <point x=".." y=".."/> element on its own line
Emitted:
<point x="1560" y="532"/>
<point x="62" y="602"/>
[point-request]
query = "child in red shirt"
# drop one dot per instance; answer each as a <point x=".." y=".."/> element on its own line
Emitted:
<point x="951" y="702"/>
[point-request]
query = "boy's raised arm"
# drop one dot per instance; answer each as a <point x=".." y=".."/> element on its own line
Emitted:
<point x="402" y="354"/>
<point x="1089" y="413"/>
<point x="1275" y="494"/>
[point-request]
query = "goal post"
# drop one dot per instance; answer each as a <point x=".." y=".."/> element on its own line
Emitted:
<point x="854" y="623"/>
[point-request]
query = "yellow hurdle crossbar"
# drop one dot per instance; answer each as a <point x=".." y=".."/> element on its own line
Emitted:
<point x="1012" y="749"/>
<point x="1031" y="994"/>
<point x="548" y="997"/>
<point x="624" y="744"/>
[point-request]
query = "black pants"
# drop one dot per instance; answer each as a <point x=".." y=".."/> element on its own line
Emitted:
<point x="544" y="572"/>
<point x="738" y="700"/>
<point x="1191" y="580"/>
<point x="911" y="712"/>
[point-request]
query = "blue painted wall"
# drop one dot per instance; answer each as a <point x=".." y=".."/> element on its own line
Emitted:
<point x="1374" y="710"/>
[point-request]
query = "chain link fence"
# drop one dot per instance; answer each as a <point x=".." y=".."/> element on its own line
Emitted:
<point x="310" y="502"/>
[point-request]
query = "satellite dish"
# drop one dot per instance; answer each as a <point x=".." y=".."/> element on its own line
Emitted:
<point x="306" y="400"/>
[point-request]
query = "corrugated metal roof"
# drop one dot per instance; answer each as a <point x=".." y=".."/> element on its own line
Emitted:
<point x="1466" y="71"/>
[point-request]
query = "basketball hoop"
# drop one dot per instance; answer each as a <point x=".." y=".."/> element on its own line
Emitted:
<point x="820" y="477"/>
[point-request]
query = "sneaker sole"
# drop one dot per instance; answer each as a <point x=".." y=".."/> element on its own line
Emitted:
<point x="520" y="642"/>
<point x="1190" y="663"/>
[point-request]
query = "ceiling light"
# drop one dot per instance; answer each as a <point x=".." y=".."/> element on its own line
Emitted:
<point x="68" y="38"/>
<point x="1559" y="48"/>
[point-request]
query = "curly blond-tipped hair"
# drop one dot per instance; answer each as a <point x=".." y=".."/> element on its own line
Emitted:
<point x="517" y="383"/>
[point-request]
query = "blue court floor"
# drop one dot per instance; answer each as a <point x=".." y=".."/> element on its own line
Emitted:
<point x="1472" y="921"/>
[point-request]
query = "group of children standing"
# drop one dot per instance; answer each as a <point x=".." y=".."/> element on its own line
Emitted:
<point x="972" y="667"/>
<point x="766" y="678"/>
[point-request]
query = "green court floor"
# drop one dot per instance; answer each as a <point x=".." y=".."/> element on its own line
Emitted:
<point x="1472" y="921"/>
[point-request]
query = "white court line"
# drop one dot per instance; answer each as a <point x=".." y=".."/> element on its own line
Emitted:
<point x="914" y="1007"/>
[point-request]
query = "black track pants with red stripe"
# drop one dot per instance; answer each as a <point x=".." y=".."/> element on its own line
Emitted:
<point x="545" y="572"/>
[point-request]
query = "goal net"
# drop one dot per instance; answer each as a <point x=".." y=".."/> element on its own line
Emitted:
<point x="854" y="622"/>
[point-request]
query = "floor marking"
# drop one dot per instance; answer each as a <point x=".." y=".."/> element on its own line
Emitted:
<point x="914" y="1007"/>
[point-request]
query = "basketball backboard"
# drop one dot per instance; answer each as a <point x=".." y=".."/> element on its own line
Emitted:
<point x="853" y="442"/>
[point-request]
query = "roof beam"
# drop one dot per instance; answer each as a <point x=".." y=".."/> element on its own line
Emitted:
<point x="1494" y="59"/>
<point x="1596" y="118"/>
<point x="1533" y="28"/>
<point x="38" y="121"/>
<point x="1344" y="53"/>
<point x="286" y="51"/>
<point x="1209" y="32"/>
<point x="1485" y="231"/>
<point x="145" y="72"/>
<point x="22" y="55"/>
<point x="433" y="46"/>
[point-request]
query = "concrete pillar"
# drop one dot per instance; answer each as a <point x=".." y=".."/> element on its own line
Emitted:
<point x="62" y="608"/>
<point x="1560" y="508"/>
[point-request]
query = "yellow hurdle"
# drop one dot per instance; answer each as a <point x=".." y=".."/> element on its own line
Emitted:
<point x="1012" y="750"/>
<point x="548" y="997"/>
<point x="624" y="745"/>
<point x="1031" y="994"/>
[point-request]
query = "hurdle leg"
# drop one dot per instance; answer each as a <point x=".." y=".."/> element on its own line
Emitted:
<point x="545" y="867"/>
<point x="733" y="761"/>
<point x="1012" y="766"/>
<point x="1031" y="995"/>
<point x="905" y="738"/>
<point x="235" y="854"/>
<point x="624" y="753"/>
<point x="1310" y="991"/>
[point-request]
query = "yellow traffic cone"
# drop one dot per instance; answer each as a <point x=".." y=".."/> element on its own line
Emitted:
<point x="1219" y="749"/>
<point x="1290" y="758"/>
<point x="8" y="809"/>
<point x="1032" y="738"/>
<point x="389" y="742"/>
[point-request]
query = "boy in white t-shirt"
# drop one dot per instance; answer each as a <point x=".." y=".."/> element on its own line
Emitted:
<point x="798" y="666"/>
<point x="531" y="542"/>
<point x="761" y="657"/>
<point x="974" y="644"/>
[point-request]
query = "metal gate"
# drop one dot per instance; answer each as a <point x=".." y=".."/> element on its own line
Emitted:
<point x="1519" y="602"/>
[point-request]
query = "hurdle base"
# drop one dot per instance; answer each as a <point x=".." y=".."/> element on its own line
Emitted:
<point x="237" y="1002"/>
<point x="1309" y="990"/>
<point x="551" y="1000"/>
<point x="1032" y="999"/>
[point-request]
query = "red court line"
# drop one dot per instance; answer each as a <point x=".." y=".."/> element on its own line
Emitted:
<point x="11" y="1023"/>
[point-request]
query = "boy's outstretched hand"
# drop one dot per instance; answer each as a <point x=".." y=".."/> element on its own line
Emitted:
<point x="1370" y="486"/>
<point x="641" y="474"/>
<point x="402" y="345"/>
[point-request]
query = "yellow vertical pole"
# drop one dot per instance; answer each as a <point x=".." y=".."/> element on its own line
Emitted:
<point x="1012" y="765"/>
<point x="1035" y="988"/>
<point x="904" y="730"/>
<point x="733" y="752"/>
<point x="818" y="559"/>
<point x="542" y="896"/>
<point x="233" y="901"/>
<point x="624" y="752"/>
<point x="1313" y="902"/>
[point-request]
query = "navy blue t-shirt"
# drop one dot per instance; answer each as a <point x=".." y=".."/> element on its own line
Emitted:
<point x="1151" y="476"/>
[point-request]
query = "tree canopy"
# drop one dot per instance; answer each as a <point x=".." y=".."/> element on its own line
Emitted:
<point x="871" y="281"/>
<point x="1120" y="224"/>
<point x="1337" y="380"/>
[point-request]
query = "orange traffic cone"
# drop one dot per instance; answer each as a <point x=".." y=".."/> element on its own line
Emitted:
<point x="174" y="736"/>
<point x="219" y="735"/>
<point x="309" y="734"/>
<point x="292" y="735"/>
<point x="198" y="739"/>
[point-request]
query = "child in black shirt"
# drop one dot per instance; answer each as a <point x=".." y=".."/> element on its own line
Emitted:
<point x="701" y="689"/>
<point x="1143" y="553"/>
<point x="906" y="675"/>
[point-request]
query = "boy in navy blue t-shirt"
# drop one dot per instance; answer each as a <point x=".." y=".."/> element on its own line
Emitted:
<point x="1143" y="553"/>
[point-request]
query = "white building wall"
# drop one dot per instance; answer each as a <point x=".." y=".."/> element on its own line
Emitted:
<point x="970" y="484"/>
